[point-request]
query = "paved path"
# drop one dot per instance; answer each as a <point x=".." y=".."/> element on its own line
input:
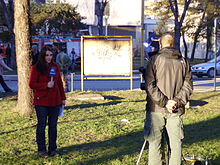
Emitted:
<point x="200" y="85"/>
<point x="206" y="85"/>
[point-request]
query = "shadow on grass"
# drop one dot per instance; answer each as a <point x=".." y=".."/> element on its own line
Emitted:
<point x="89" y="105"/>
<point x="136" y="101"/>
<point x="7" y="95"/>
<point x="131" y="143"/>
<point x="215" y="162"/>
<point x="110" y="149"/>
<point x="112" y="97"/>
<point x="120" y="98"/>
<point x="208" y="97"/>
<point x="8" y="132"/>
<point x="115" y="100"/>
<point x="101" y="117"/>
<point x="205" y="130"/>
<point x="197" y="103"/>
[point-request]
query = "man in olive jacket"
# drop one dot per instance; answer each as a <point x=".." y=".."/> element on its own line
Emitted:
<point x="168" y="86"/>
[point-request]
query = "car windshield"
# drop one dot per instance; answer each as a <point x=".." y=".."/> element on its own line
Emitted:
<point x="213" y="60"/>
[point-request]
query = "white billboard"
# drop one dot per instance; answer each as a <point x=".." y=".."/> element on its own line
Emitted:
<point x="107" y="57"/>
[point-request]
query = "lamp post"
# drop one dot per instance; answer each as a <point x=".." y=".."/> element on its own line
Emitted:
<point x="142" y="32"/>
<point x="215" y="50"/>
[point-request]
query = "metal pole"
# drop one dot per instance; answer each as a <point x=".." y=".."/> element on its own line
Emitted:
<point x="142" y="149"/>
<point x="131" y="64"/>
<point x="72" y="83"/>
<point x="215" y="50"/>
<point x="106" y="25"/>
<point x="142" y="32"/>
<point x="82" y="64"/>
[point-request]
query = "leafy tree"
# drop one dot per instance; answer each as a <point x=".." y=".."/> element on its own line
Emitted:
<point x="196" y="14"/>
<point x="195" y="24"/>
<point x="170" y="9"/>
<point x="23" y="49"/>
<point x="55" y="18"/>
<point x="212" y="13"/>
<point x="205" y="11"/>
<point x="4" y="35"/>
<point x="100" y="6"/>
<point x="6" y="15"/>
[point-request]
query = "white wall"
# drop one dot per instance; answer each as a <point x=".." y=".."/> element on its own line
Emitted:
<point x="125" y="12"/>
<point x="122" y="12"/>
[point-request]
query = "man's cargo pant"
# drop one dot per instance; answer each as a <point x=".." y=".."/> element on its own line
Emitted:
<point x="173" y="124"/>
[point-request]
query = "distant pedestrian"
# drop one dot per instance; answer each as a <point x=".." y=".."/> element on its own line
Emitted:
<point x="34" y="54"/>
<point x="3" y="54"/>
<point x="8" y="54"/>
<point x="152" y="45"/>
<point x="73" y="57"/>
<point x="55" y="51"/>
<point x="2" y="66"/>
<point x="64" y="62"/>
<point x="49" y="96"/>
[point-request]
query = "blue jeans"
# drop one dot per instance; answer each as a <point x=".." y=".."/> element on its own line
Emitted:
<point x="44" y="113"/>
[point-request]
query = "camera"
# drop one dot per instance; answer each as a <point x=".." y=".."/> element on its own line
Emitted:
<point x="143" y="71"/>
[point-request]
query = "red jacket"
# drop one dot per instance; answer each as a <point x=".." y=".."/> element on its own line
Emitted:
<point x="44" y="96"/>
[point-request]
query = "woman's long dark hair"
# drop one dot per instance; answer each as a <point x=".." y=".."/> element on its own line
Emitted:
<point x="41" y="64"/>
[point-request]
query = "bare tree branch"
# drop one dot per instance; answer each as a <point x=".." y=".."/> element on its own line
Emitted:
<point x="173" y="9"/>
<point x="186" y="6"/>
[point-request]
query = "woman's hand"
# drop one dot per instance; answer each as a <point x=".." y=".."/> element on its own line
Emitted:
<point x="10" y="69"/>
<point x="64" y="102"/>
<point x="50" y="84"/>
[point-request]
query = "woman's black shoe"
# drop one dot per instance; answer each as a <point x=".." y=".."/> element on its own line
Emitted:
<point x="53" y="153"/>
<point x="43" y="154"/>
<point x="8" y="91"/>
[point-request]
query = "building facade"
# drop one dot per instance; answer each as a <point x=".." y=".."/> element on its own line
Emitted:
<point x="126" y="20"/>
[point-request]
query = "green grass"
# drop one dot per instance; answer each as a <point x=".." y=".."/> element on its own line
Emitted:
<point x="91" y="132"/>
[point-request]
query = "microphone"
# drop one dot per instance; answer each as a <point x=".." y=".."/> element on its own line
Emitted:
<point x="52" y="73"/>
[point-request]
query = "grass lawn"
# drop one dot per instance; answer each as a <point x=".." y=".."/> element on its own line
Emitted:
<point x="91" y="132"/>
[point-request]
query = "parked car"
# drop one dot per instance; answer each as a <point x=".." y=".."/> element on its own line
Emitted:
<point x="206" y="69"/>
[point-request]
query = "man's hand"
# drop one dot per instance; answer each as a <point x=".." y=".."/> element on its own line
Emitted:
<point x="171" y="105"/>
<point x="50" y="84"/>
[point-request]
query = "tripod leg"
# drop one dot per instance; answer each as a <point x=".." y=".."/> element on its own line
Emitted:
<point x="142" y="149"/>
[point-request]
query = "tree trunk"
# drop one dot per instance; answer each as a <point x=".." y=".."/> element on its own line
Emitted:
<point x="185" y="46"/>
<point x="23" y="50"/>
<point x="198" y="30"/>
<point x="194" y="48"/>
<point x="12" y="36"/>
<point x="13" y="53"/>
<point x="208" y="44"/>
<point x="177" y="35"/>
<point x="99" y="11"/>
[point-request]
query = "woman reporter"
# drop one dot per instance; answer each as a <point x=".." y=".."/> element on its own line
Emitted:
<point x="49" y="95"/>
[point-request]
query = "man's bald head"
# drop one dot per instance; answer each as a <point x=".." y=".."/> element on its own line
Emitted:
<point x="167" y="40"/>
